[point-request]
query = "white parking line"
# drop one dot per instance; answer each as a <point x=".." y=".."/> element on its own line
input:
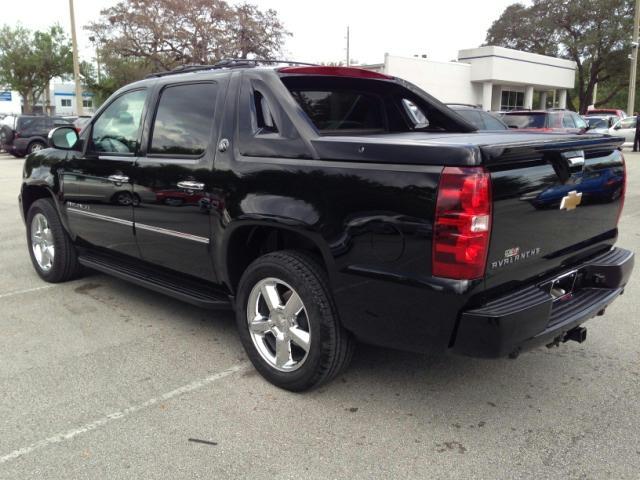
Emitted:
<point x="68" y="435"/>
<point x="28" y="290"/>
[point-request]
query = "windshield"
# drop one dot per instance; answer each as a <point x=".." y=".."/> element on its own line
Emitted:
<point x="595" y="122"/>
<point x="524" y="120"/>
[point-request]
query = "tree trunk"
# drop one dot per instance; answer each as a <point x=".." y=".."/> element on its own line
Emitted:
<point x="26" y="101"/>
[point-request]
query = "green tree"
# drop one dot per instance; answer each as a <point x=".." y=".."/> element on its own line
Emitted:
<point x="592" y="33"/>
<point x="29" y="60"/>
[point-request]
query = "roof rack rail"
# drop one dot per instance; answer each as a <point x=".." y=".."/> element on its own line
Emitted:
<point x="225" y="63"/>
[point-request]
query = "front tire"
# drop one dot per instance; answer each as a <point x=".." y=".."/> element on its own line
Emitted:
<point x="53" y="255"/>
<point x="35" y="146"/>
<point x="288" y="322"/>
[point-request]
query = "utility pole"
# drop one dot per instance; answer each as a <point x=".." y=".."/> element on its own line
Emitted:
<point x="634" y="62"/>
<point x="76" y="64"/>
<point x="348" y="54"/>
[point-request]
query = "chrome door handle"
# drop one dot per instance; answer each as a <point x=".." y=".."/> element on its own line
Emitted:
<point x="189" y="185"/>
<point x="118" y="178"/>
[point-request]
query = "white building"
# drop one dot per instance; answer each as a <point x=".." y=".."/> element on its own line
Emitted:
<point x="63" y="101"/>
<point x="10" y="102"/>
<point x="495" y="78"/>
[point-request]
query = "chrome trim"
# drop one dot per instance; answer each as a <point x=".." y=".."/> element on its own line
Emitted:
<point x="173" y="233"/>
<point x="191" y="185"/>
<point x="100" y="217"/>
<point x="141" y="226"/>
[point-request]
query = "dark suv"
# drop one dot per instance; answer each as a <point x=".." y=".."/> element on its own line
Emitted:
<point x="24" y="134"/>
<point x="555" y="120"/>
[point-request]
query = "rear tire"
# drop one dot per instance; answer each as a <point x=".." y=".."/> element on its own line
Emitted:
<point x="52" y="253"/>
<point x="317" y="347"/>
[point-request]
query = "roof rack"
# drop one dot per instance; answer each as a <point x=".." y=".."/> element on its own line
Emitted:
<point x="225" y="63"/>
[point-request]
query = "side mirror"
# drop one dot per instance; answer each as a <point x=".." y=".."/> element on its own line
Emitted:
<point x="63" y="138"/>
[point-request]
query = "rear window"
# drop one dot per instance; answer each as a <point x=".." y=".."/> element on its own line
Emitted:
<point x="345" y="105"/>
<point x="524" y="120"/>
<point x="336" y="110"/>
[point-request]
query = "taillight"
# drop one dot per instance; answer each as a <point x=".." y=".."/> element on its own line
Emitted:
<point x="624" y="188"/>
<point x="462" y="224"/>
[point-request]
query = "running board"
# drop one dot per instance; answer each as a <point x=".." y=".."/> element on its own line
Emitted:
<point x="199" y="293"/>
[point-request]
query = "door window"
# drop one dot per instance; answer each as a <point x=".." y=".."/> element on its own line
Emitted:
<point x="580" y="122"/>
<point x="567" y="121"/>
<point x="184" y="119"/>
<point x="118" y="127"/>
<point x="626" y="123"/>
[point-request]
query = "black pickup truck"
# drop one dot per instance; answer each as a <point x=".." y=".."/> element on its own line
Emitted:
<point x="328" y="205"/>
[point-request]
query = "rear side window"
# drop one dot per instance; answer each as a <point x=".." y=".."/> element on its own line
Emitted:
<point x="567" y="121"/>
<point x="184" y="119"/>
<point x="472" y="116"/>
<point x="492" y="123"/>
<point x="340" y="110"/>
<point x="523" y="120"/>
<point x="580" y="122"/>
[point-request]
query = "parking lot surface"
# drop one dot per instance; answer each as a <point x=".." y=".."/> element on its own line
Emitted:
<point x="103" y="379"/>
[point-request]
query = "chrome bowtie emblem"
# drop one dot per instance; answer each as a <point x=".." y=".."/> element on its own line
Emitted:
<point x="571" y="201"/>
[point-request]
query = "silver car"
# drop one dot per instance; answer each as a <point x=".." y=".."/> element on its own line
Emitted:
<point x="625" y="128"/>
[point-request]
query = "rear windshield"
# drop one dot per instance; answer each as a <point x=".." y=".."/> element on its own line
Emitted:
<point x="524" y="120"/>
<point x="332" y="110"/>
<point x="355" y="106"/>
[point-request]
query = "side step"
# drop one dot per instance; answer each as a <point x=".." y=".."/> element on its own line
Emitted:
<point x="199" y="293"/>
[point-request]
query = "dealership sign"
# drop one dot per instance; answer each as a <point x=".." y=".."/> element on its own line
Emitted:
<point x="5" y="96"/>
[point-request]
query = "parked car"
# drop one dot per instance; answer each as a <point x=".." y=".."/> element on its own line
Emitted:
<point x="24" y="134"/>
<point x="480" y="119"/>
<point x="625" y="129"/>
<point x="600" y="123"/>
<point x="334" y="213"/>
<point x="621" y="114"/>
<point x="563" y="121"/>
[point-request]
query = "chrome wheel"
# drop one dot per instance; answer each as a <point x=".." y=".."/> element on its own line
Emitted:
<point x="42" y="243"/>
<point x="36" y="147"/>
<point x="278" y="324"/>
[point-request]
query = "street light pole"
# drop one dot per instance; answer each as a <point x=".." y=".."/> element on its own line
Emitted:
<point x="76" y="64"/>
<point x="634" y="62"/>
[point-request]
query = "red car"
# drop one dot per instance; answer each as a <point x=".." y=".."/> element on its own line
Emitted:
<point x="563" y="121"/>
<point x="608" y="111"/>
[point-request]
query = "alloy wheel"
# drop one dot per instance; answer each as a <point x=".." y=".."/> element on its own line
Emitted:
<point x="42" y="243"/>
<point x="278" y="324"/>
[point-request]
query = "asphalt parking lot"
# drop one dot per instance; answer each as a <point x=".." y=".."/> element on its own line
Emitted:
<point x="102" y="379"/>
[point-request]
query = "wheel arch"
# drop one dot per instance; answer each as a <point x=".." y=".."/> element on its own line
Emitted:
<point x="35" y="191"/>
<point x="245" y="242"/>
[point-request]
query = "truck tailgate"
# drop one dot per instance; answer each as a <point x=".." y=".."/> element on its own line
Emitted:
<point x="551" y="208"/>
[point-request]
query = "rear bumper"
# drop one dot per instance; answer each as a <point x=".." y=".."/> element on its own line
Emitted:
<point x="530" y="317"/>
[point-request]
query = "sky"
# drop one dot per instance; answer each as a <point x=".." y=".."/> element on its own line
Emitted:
<point x="402" y="27"/>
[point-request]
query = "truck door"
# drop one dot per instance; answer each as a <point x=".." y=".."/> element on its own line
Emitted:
<point x="172" y="179"/>
<point x="97" y="184"/>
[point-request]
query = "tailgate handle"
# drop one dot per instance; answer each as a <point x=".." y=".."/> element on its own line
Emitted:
<point x="575" y="160"/>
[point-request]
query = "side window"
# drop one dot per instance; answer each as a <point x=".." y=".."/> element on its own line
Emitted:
<point x="567" y="121"/>
<point x="264" y="128"/>
<point x="117" y="129"/>
<point x="580" y="122"/>
<point x="264" y="116"/>
<point x="492" y="123"/>
<point x="555" y="120"/>
<point x="415" y="114"/>
<point x="184" y="119"/>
